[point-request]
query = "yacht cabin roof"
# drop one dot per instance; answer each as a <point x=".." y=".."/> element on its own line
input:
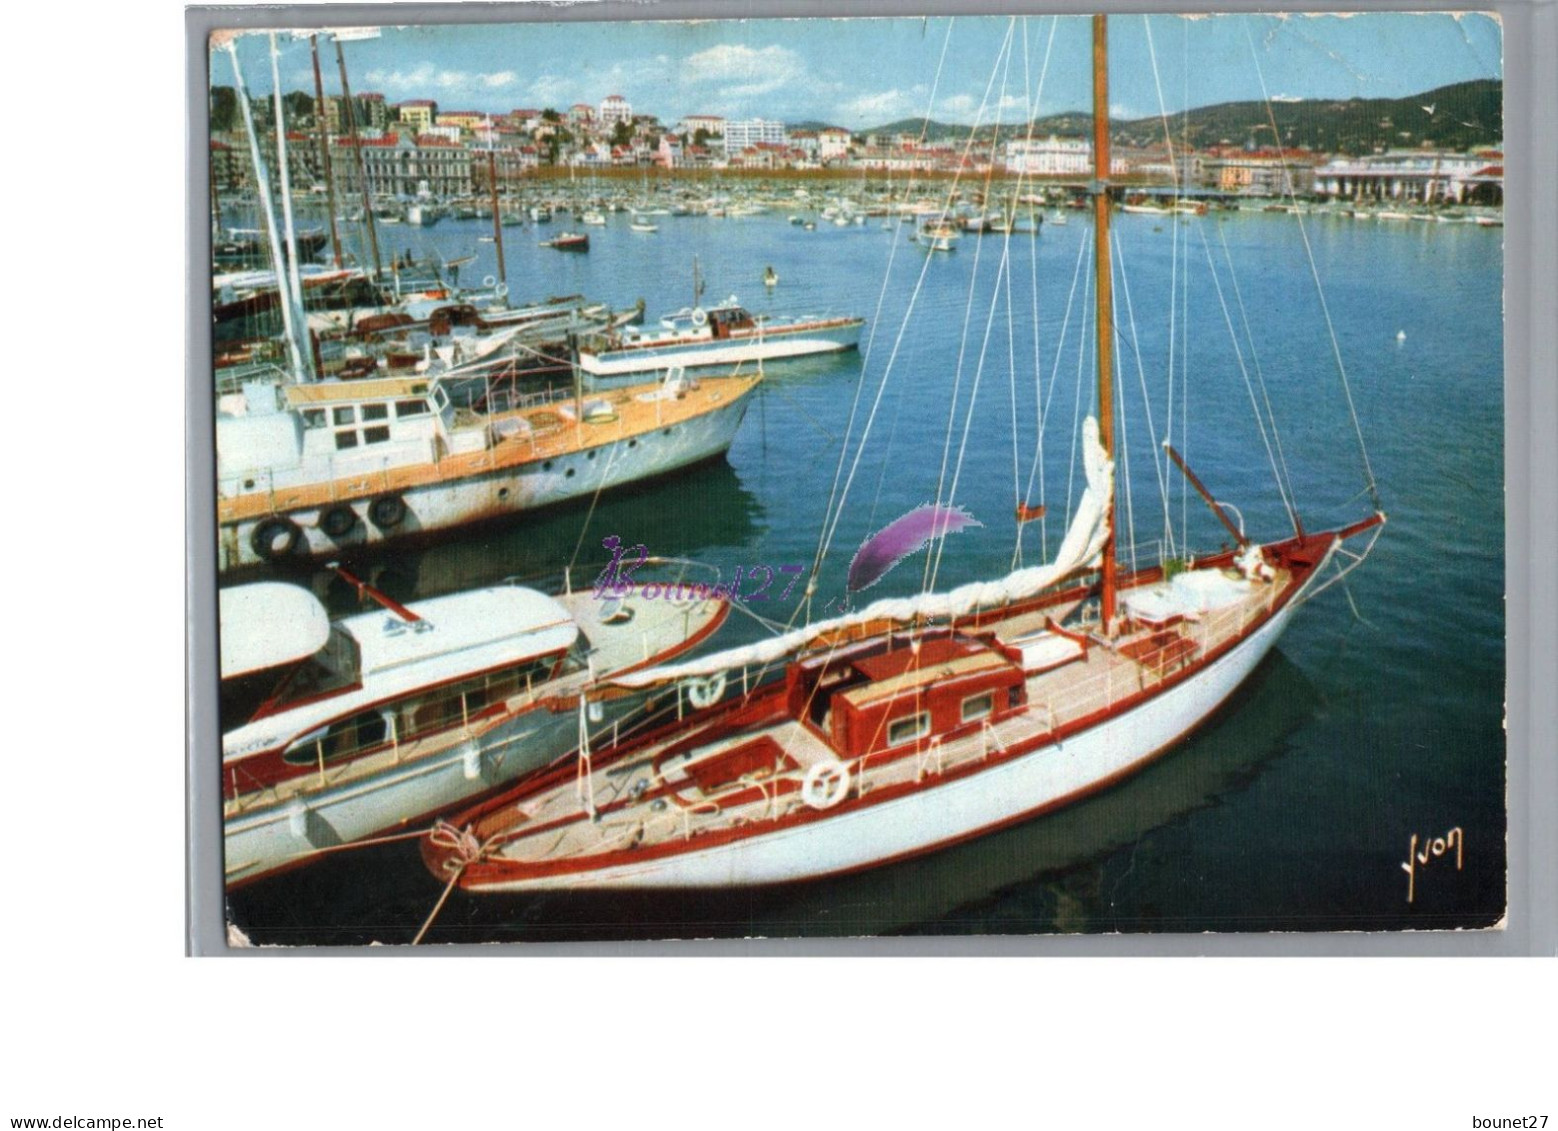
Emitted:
<point x="267" y="624"/>
<point x="469" y="631"/>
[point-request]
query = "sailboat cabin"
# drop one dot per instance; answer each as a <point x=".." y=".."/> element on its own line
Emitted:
<point x="909" y="694"/>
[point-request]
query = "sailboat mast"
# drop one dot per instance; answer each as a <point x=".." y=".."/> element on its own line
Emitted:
<point x="324" y="149"/>
<point x="497" y="216"/>
<point x="362" y="168"/>
<point x="1104" y="288"/>
<point x="289" y="230"/>
<point x="262" y="186"/>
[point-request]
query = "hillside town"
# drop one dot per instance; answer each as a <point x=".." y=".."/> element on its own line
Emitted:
<point x="420" y="149"/>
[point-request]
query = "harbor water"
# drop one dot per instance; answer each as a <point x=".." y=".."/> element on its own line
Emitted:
<point x="1374" y="728"/>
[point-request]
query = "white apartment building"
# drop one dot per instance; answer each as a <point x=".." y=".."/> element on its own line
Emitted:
<point x="748" y="132"/>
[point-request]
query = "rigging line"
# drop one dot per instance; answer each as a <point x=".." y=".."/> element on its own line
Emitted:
<point x="825" y="535"/>
<point x="1260" y="378"/>
<point x="812" y="420"/>
<point x="1184" y="298"/>
<point x="830" y="523"/>
<point x="968" y="419"/>
<point x="968" y="307"/>
<point x="1123" y="465"/>
<point x="1084" y="344"/>
<point x="1314" y="271"/>
<point x="1037" y="469"/>
<point x="1174" y="261"/>
<point x="1238" y="354"/>
<point x="584" y="527"/>
<point x="1158" y="457"/>
<point x="1039" y="404"/>
<point x="968" y="147"/>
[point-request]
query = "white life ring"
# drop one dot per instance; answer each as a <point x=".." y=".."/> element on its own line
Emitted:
<point x="703" y="693"/>
<point x="700" y="317"/>
<point x="826" y="784"/>
<point x="501" y="290"/>
<point x="489" y="281"/>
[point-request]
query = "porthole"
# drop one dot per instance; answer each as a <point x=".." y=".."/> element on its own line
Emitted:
<point x="569" y="473"/>
<point x="547" y="466"/>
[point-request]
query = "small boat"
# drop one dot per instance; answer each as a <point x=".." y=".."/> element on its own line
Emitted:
<point x="423" y="215"/>
<point x="939" y="235"/>
<point x="593" y="218"/>
<point x="346" y="730"/>
<point x="722" y="335"/>
<point x="639" y="224"/>
<point x="569" y="241"/>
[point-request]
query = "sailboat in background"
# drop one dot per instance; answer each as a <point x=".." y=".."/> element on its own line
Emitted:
<point x="916" y="722"/>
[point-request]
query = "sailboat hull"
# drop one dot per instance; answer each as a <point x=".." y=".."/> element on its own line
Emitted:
<point x="1008" y="790"/>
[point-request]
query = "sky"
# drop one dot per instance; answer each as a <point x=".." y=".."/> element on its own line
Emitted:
<point x="859" y="73"/>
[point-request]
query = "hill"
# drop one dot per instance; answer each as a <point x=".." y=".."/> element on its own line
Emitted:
<point x="1461" y="116"/>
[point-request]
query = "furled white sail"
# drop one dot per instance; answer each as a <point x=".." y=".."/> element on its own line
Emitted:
<point x="1082" y="548"/>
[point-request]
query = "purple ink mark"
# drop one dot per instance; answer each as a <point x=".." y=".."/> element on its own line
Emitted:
<point x="897" y="540"/>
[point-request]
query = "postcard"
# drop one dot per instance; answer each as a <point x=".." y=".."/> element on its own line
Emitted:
<point x="824" y="478"/>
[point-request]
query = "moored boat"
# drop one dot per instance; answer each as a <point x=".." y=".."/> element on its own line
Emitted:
<point x="723" y="335"/>
<point x="339" y="732"/>
<point x="309" y="470"/>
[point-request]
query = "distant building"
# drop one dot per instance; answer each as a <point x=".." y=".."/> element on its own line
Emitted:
<point x="461" y="119"/>
<point x="372" y="111"/>
<point x="581" y="114"/>
<point x="669" y="153"/>
<point x="749" y="132"/>
<point x="416" y="115"/>
<point x="1416" y="174"/>
<point x="711" y="124"/>
<point x="402" y="165"/>
<point x="832" y="144"/>
<point x="1051" y="157"/>
<point x="615" y="109"/>
<point x="1264" y="173"/>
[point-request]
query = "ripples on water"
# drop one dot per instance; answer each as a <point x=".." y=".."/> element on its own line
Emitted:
<point x="1294" y="808"/>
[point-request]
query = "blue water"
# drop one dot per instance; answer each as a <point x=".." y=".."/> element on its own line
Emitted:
<point x="1295" y="808"/>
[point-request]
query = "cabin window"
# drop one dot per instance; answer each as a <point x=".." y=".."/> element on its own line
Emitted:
<point x="404" y="409"/>
<point x="978" y="706"/>
<point x="341" y="739"/>
<point x="375" y="412"/>
<point x="346" y="414"/>
<point x="313" y="418"/>
<point x="907" y="729"/>
<point x="344" y="440"/>
<point x="375" y="435"/>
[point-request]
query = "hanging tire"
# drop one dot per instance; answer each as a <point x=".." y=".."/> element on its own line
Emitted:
<point x="338" y="521"/>
<point x="387" y="511"/>
<point x="276" y="538"/>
